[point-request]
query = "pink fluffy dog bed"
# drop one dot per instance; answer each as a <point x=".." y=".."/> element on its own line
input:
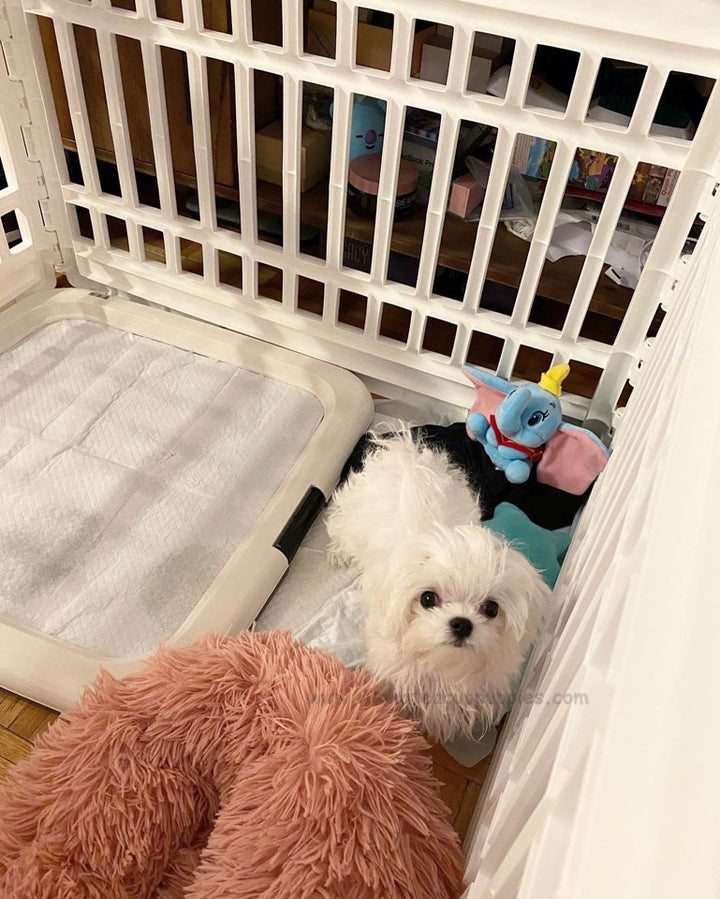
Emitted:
<point x="238" y="767"/>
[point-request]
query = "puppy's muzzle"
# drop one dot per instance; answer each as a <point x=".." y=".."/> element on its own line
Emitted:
<point x="460" y="628"/>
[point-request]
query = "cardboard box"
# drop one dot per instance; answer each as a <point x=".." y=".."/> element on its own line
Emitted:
<point x="374" y="44"/>
<point x="314" y="156"/>
<point x="435" y="64"/>
<point x="465" y="195"/>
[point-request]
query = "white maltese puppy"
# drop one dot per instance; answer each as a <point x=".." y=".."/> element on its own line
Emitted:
<point x="451" y="609"/>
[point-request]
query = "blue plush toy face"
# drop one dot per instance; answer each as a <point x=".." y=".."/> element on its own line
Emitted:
<point x="529" y="415"/>
<point x="368" y="126"/>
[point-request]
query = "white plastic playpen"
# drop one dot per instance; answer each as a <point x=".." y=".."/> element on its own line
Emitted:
<point x="606" y="782"/>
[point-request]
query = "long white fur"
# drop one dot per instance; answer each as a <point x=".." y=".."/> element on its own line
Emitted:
<point x="409" y="522"/>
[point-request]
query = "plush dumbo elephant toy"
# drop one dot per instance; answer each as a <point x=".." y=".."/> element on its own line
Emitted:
<point x="520" y="426"/>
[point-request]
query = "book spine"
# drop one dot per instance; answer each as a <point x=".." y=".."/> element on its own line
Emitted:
<point x="639" y="182"/>
<point x="654" y="184"/>
<point x="668" y="186"/>
<point x="521" y="151"/>
<point x="633" y="205"/>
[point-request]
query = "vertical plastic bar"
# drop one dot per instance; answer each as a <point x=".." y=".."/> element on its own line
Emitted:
<point x="145" y="9"/>
<point x="345" y="35"/>
<point x="416" y="331"/>
<point x="98" y="228"/>
<point x="202" y="137"/>
<point x="241" y="16"/>
<point x="520" y="73"/>
<point x="250" y="278"/>
<point x="117" y="115"/>
<point x="47" y="99"/>
<point x="78" y="108"/>
<point x="599" y="246"/>
<point x="704" y="152"/>
<point x="648" y="99"/>
<point x="136" y="243"/>
<point x="582" y="89"/>
<point x="488" y="223"/>
<point x="437" y="201"/>
<point x="372" y="318"/>
<point x="331" y="305"/>
<point x="554" y="193"/>
<point x="292" y="24"/>
<point x="245" y="125"/>
<point x="337" y="184"/>
<point x="211" y="266"/>
<point x="345" y="42"/>
<point x="460" y="59"/>
<point x="193" y="16"/>
<point x="506" y="363"/>
<point x="159" y="129"/>
<point x="392" y="147"/>
<point x="292" y="173"/>
<point x="401" y="54"/>
<point x="461" y="346"/>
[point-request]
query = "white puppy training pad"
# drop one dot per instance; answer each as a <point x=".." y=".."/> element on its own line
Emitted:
<point x="130" y="471"/>
<point x="318" y="602"/>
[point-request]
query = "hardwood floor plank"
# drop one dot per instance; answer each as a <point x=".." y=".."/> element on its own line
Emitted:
<point x="452" y="788"/>
<point x="476" y="774"/>
<point x="9" y="707"/>
<point x="32" y="719"/>
<point x="469" y="802"/>
<point x="12" y="747"/>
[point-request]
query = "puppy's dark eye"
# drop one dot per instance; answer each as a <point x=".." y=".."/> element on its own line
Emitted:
<point x="428" y="599"/>
<point x="489" y="608"/>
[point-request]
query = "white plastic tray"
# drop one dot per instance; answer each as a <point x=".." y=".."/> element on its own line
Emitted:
<point x="54" y="672"/>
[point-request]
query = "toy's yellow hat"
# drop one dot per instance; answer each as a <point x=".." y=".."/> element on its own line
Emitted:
<point x="553" y="378"/>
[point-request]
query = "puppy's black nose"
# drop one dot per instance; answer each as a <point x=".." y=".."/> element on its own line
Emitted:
<point x="461" y="627"/>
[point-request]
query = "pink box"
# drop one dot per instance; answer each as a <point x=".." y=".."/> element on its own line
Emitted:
<point x="465" y="195"/>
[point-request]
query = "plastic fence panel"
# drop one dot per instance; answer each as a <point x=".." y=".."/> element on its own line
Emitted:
<point x="199" y="84"/>
<point x="26" y="248"/>
<point x="593" y="777"/>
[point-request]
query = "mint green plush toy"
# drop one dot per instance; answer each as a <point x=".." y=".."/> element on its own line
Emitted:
<point x="542" y="548"/>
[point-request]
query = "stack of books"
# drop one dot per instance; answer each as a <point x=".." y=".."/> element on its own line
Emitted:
<point x="592" y="171"/>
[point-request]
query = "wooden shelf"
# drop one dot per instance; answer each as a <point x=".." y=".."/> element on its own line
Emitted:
<point x="557" y="281"/>
<point x="507" y="261"/>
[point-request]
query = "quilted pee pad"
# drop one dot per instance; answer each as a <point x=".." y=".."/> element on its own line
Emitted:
<point x="130" y="471"/>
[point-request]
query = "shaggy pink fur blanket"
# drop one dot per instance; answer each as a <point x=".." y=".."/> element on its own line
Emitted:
<point x="238" y="767"/>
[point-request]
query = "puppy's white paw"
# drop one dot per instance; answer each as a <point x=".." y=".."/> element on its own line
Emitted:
<point x="337" y="557"/>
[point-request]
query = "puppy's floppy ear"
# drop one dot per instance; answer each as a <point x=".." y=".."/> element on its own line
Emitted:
<point x="527" y="600"/>
<point x="388" y="588"/>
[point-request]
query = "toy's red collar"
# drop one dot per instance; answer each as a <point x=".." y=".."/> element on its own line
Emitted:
<point x="534" y="452"/>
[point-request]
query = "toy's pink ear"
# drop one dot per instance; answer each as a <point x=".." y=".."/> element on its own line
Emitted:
<point x="487" y="399"/>
<point x="573" y="458"/>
